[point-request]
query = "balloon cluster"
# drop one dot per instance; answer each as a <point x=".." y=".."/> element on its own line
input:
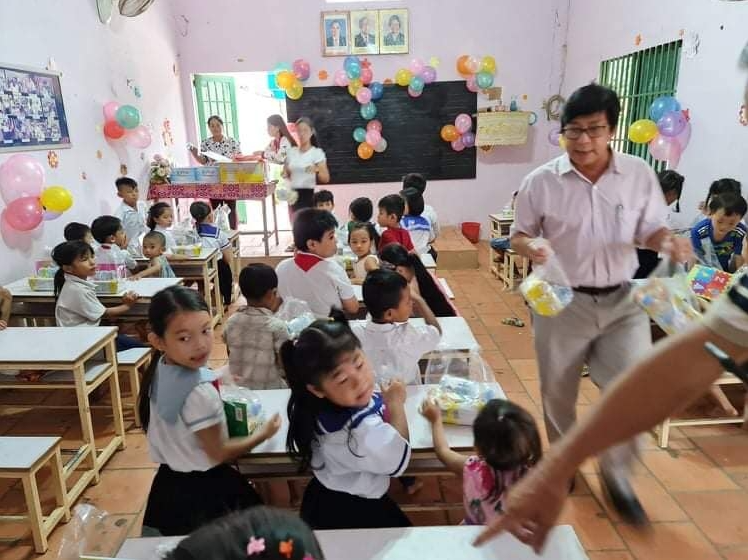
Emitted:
<point x="415" y="77"/>
<point x="357" y="76"/>
<point x="478" y="74"/>
<point x="667" y="131"/>
<point x="291" y="80"/>
<point x="459" y="134"/>
<point x="556" y="138"/>
<point x="124" y="121"/>
<point x="28" y="202"/>
<point x="370" y="139"/>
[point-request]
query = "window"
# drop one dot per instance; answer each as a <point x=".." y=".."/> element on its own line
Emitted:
<point x="216" y="95"/>
<point x="639" y="78"/>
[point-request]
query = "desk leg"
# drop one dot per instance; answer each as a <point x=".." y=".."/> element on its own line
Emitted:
<point x="110" y="353"/>
<point x="206" y="288"/>
<point x="36" y="519"/>
<point x="84" y="410"/>
<point x="58" y="477"/>
<point x="275" y="220"/>
<point x="265" y="232"/>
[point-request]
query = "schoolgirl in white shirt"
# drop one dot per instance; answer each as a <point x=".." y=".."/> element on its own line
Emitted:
<point x="306" y="165"/>
<point x="337" y="428"/>
<point x="161" y="218"/>
<point x="282" y="140"/>
<point x="182" y="414"/>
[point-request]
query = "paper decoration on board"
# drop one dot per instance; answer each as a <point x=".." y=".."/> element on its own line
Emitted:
<point x="122" y="169"/>
<point x="84" y="175"/>
<point x="53" y="159"/>
<point x="503" y="128"/>
<point x="166" y="134"/>
<point x="322" y="75"/>
<point x="99" y="155"/>
<point x="691" y="42"/>
<point x="638" y="40"/>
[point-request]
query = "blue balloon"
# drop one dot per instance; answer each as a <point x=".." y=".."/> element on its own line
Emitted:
<point x="368" y="111"/>
<point x="350" y="60"/>
<point x="353" y="70"/>
<point x="359" y="134"/>
<point x="662" y="105"/>
<point x="377" y="91"/>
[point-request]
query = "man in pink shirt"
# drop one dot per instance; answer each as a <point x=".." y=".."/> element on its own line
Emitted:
<point x="594" y="206"/>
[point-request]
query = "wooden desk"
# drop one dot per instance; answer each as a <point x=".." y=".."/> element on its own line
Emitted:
<point x="70" y="353"/>
<point x="28" y="304"/>
<point x="436" y="543"/>
<point x="428" y="261"/>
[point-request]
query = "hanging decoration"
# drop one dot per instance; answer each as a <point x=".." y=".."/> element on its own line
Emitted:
<point x="667" y="131"/>
<point x="123" y="121"/>
<point x="478" y="73"/>
<point x="459" y="134"/>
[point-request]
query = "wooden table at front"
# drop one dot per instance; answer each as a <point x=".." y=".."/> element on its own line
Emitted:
<point x="72" y="354"/>
<point x="30" y="304"/>
<point x="436" y="543"/>
<point x="259" y="192"/>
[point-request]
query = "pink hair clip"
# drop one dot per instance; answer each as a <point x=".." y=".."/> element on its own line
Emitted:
<point x="255" y="546"/>
<point x="308" y="556"/>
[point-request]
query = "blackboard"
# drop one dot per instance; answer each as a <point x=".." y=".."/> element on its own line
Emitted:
<point x="410" y="125"/>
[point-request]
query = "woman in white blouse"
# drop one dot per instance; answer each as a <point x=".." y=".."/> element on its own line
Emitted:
<point x="306" y="165"/>
<point x="277" y="149"/>
<point x="224" y="146"/>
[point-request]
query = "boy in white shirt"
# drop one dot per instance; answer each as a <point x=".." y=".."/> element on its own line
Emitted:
<point x="418" y="226"/>
<point x="111" y="254"/>
<point x="132" y="212"/>
<point x="213" y="238"/>
<point x="418" y="182"/>
<point x="309" y="276"/>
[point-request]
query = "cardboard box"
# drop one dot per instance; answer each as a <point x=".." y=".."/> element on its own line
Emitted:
<point x="249" y="172"/>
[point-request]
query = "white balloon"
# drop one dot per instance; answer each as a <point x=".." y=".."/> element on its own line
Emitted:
<point x="381" y="146"/>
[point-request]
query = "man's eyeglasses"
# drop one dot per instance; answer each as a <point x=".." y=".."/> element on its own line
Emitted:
<point x="575" y="132"/>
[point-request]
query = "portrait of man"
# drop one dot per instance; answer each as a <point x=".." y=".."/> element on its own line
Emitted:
<point x="365" y="24"/>
<point x="335" y="34"/>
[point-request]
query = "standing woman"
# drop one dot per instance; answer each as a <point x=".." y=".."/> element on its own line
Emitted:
<point x="225" y="146"/>
<point x="277" y="150"/>
<point x="306" y="165"/>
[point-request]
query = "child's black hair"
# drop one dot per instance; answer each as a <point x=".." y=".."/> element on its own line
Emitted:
<point x="311" y="224"/>
<point x="414" y="181"/>
<point x="104" y="227"/>
<point x="199" y="211"/>
<point x="397" y="255"/>
<point x="155" y="235"/>
<point x="155" y="212"/>
<point x="75" y="231"/>
<point x="256" y="280"/>
<point x="730" y="202"/>
<point x="227" y="538"/>
<point x="591" y="99"/>
<point x="164" y="305"/>
<point x="383" y="290"/>
<point x="414" y="199"/>
<point x="66" y="253"/>
<point x="368" y="226"/>
<point x="506" y="437"/>
<point x="671" y="181"/>
<point x="722" y="186"/>
<point x="361" y="209"/>
<point x="123" y="182"/>
<point x="392" y="204"/>
<point x="306" y="361"/>
<point x="322" y="196"/>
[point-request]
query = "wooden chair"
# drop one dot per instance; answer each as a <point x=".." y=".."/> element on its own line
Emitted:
<point x="513" y="261"/>
<point x="21" y="458"/>
<point x="131" y="363"/>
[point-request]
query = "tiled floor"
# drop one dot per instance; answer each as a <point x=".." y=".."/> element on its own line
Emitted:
<point x="695" y="492"/>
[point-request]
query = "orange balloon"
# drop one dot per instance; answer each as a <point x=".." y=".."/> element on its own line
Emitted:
<point x="449" y="133"/>
<point x="285" y="79"/>
<point x="462" y="65"/>
<point x="365" y="151"/>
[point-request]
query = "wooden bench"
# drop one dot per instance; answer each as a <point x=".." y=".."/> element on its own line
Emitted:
<point x="513" y="261"/>
<point x="21" y="458"/>
<point x="131" y="363"/>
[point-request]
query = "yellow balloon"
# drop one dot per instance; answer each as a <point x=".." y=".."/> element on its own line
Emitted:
<point x="403" y="77"/>
<point x="56" y="199"/>
<point x="285" y="79"/>
<point x="643" y="131"/>
<point x="488" y="64"/>
<point x="354" y="85"/>
<point x="562" y="142"/>
<point x="295" y="91"/>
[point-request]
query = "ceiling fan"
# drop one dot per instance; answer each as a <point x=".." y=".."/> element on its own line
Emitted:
<point x="132" y="8"/>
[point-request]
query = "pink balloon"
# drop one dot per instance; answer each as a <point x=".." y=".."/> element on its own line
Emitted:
<point x="363" y="95"/>
<point x="14" y="239"/>
<point x="373" y="137"/>
<point x="665" y="149"/>
<point x="471" y="84"/>
<point x="301" y="69"/>
<point x="374" y="124"/>
<point x="24" y="214"/>
<point x="554" y="136"/>
<point x="457" y="145"/>
<point x="416" y="66"/>
<point x="341" y="78"/>
<point x="428" y="75"/>
<point x="21" y="176"/>
<point x="473" y="65"/>
<point x="463" y="123"/>
<point x="366" y="75"/>
<point x="414" y="93"/>
<point x="468" y="139"/>
<point x="684" y="137"/>
<point x="139" y="137"/>
<point x="110" y="110"/>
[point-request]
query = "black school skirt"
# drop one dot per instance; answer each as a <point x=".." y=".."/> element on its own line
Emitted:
<point x="180" y="502"/>
<point x="323" y="508"/>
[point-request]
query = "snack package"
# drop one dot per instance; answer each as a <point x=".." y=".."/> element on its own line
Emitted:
<point x="296" y="314"/>
<point x="547" y="288"/>
<point x="708" y="282"/>
<point x="460" y="400"/>
<point x="244" y="413"/>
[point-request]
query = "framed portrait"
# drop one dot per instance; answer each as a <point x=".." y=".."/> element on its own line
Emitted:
<point x="335" y="32"/>
<point x="365" y="29"/>
<point x="393" y="31"/>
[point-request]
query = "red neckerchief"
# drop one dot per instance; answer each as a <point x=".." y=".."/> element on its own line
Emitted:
<point x="305" y="261"/>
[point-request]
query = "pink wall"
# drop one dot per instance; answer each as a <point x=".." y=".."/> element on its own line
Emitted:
<point x="227" y="36"/>
<point x="96" y="61"/>
<point x="710" y="84"/>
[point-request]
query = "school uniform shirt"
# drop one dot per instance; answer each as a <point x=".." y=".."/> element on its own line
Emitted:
<point x="430" y="214"/>
<point x="254" y="337"/>
<point x="395" y="235"/>
<point x="728" y="316"/>
<point x="713" y="253"/>
<point x="394" y="349"/>
<point x="419" y="229"/>
<point x="297" y="163"/>
<point x="213" y="237"/>
<point x="166" y="270"/>
<point x="169" y="236"/>
<point x="77" y="304"/>
<point x="111" y="257"/>
<point x="133" y="222"/>
<point x="321" y="283"/>
<point x="357" y="452"/>
<point x="182" y="402"/>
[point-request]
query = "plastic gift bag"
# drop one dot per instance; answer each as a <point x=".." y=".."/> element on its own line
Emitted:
<point x="244" y="412"/>
<point x="296" y="314"/>
<point x="469" y="366"/>
<point x="460" y="400"/>
<point x="221" y="216"/>
<point x="547" y="288"/>
<point x="667" y="297"/>
<point x="89" y="534"/>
